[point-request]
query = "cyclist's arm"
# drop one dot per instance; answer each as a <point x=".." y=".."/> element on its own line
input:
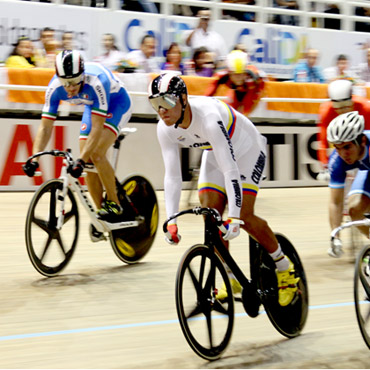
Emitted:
<point x="336" y="207"/>
<point x="172" y="164"/>
<point x="225" y="157"/>
<point x="43" y="135"/>
<point x="323" y="122"/>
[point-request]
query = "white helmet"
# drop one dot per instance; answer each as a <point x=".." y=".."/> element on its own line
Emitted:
<point x="340" y="90"/>
<point x="237" y="61"/>
<point x="346" y="127"/>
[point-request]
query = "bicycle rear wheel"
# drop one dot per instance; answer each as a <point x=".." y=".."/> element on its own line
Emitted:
<point x="362" y="293"/>
<point x="50" y="249"/>
<point x="206" y="322"/>
<point x="288" y="320"/>
<point x="138" y="198"/>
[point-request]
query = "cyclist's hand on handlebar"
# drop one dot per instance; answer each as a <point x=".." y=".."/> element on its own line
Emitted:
<point x="172" y="235"/>
<point x="230" y="228"/>
<point x="30" y="168"/>
<point x="77" y="168"/>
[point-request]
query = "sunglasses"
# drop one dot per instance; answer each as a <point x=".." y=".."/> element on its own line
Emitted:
<point x="165" y="101"/>
<point x="70" y="82"/>
<point x="342" y="104"/>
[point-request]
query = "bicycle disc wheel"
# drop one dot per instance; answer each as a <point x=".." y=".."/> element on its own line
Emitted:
<point x="362" y="293"/>
<point x="206" y="322"/>
<point x="50" y="249"/>
<point x="288" y="320"/>
<point x="131" y="244"/>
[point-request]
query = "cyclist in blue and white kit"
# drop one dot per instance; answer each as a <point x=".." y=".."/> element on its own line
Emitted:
<point x="352" y="145"/>
<point x="232" y="164"/>
<point x="107" y="109"/>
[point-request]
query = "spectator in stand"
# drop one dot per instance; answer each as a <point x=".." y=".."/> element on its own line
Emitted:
<point x="202" y="63"/>
<point x="22" y="55"/>
<point x="362" y="26"/>
<point x="282" y="18"/>
<point x="332" y="23"/>
<point x="364" y="70"/>
<point x="112" y="55"/>
<point x="202" y="36"/>
<point x="68" y="43"/>
<point x="173" y="59"/>
<point x="237" y="14"/>
<point x="339" y="71"/>
<point x="47" y="49"/>
<point x="307" y="70"/>
<point x="144" y="58"/>
<point x="341" y="101"/>
<point x="245" y="82"/>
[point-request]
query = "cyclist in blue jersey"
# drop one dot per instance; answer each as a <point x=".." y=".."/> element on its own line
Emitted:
<point x="352" y="145"/>
<point x="107" y="109"/>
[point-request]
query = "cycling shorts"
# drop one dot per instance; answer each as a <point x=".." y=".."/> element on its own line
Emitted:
<point x="251" y="165"/>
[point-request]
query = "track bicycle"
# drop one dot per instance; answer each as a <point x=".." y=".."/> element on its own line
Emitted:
<point x="52" y="222"/>
<point x="206" y="321"/>
<point x="361" y="280"/>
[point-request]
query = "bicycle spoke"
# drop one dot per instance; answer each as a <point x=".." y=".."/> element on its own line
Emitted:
<point x="68" y="216"/>
<point x="219" y="307"/>
<point x="60" y="242"/>
<point x="47" y="245"/>
<point x="42" y="224"/>
<point x="209" y="326"/>
<point x="196" y="284"/>
<point x="195" y="312"/>
<point x="52" y="207"/>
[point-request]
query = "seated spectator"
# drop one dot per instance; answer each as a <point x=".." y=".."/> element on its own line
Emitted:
<point x="140" y="6"/>
<point x="202" y="36"/>
<point x="332" y="23"/>
<point x="202" y="63"/>
<point x="339" y="71"/>
<point x="245" y="81"/>
<point x="363" y="70"/>
<point x="173" y="59"/>
<point x="307" y="70"/>
<point x="282" y="18"/>
<point x="22" y="55"/>
<point x="112" y="55"/>
<point x="239" y="15"/>
<point x="47" y="48"/>
<point x="68" y="43"/>
<point x="144" y="58"/>
<point x="362" y="26"/>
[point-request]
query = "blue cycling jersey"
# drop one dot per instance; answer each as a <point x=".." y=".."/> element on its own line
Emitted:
<point x="338" y="167"/>
<point x="100" y="91"/>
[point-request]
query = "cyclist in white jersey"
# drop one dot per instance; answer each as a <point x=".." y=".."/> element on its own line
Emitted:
<point x="232" y="165"/>
<point x="107" y="108"/>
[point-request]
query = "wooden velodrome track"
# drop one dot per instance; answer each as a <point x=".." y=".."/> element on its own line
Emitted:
<point x="100" y="313"/>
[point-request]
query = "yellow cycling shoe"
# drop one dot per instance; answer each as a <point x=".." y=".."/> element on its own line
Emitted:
<point x="235" y="286"/>
<point x="287" y="283"/>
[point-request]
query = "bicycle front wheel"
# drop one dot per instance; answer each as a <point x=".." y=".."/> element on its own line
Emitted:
<point x="288" y="320"/>
<point x="206" y="322"/>
<point x="362" y="293"/>
<point x="137" y="197"/>
<point x="50" y="249"/>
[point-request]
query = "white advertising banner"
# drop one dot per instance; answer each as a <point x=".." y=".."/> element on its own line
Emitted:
<point x="291" y="154"/>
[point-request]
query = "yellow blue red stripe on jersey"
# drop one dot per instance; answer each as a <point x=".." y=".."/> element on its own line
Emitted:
<point x="232" y="119"/>
<point x="249" y="189"/>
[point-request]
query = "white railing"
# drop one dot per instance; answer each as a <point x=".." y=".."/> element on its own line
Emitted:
<point x="137" y="93"/>
<point x="263" y="10"/>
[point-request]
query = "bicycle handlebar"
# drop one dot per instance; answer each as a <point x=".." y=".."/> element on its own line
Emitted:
<point x="364" y="222"/>
<point x="56" y="153"/>
<point x="215" y="215"/>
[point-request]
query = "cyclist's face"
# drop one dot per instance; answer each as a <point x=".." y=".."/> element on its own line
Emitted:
<point x="344" y="106"/>
<point x="349" y="151"/>
<point x="238" y="79"/>
<point x="170" y="116"/>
